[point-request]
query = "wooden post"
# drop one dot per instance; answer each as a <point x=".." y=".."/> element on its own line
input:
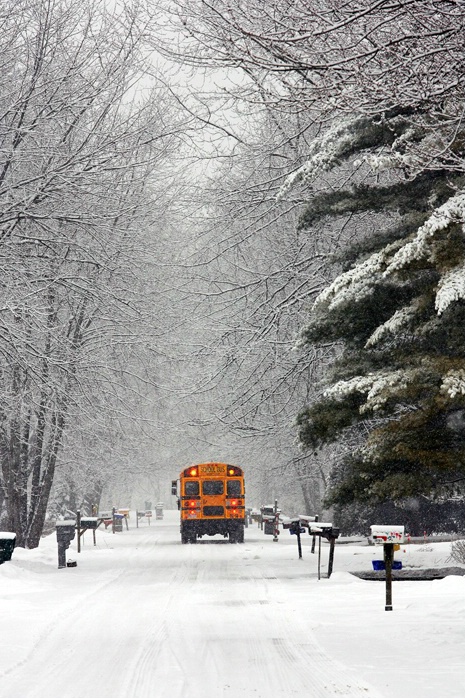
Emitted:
<point x="113" y="527"/>
<point x="276" y="522"/>
<point x="313" y="538"/>
<point x="137" y="519"/>
<point x="78" y="526"/>
<point x="299" y="544"/>
<point x="388" y="558"/>
<point x="319" y="557"/>
<point x="332" y="542"/>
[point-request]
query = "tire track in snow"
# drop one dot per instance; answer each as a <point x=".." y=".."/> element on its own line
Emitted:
<point x="299" y="662"/>
<point x="204" y="621"/>
<point x="92" y="618"/>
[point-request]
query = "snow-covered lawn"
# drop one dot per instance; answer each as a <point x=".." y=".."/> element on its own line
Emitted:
<point x="142" y="616"/>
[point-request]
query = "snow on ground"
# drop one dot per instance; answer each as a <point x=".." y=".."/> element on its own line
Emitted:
<point x="142" y="616"/>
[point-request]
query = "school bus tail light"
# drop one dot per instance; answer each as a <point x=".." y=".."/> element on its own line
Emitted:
<point x="233" y="470"/>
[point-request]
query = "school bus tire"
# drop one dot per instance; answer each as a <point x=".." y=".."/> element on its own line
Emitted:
<point x="188" y="534"/>
<point x="236" y="534"/>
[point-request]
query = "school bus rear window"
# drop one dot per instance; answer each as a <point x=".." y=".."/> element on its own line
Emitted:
<point x="192" y="488"/>
<point x="212" y="487"/>
<point x="233" y="488"/>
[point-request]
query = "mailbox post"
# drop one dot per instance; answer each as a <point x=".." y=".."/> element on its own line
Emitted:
<point x="388" y="536"/>
<point x="321" y="530"/>
<point x="330" y="533"/>
<point x="295" y="529"/>
<point x="83" y="524"/>
<point x="65" y="533"/>
<point x="276" y="522"/>
<point x="388" y="560"/>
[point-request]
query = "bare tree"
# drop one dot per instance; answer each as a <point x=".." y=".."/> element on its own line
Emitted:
<point x="328" y="59"/>
<point x="80" y="153"/>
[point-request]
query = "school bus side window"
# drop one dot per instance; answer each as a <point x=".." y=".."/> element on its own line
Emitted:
<point x="212" y="487"/>
<point x="191" y="488"/>
<point x="233" y="488"/>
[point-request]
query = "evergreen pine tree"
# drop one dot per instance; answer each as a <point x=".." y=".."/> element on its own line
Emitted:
<point x="396" y="312"/>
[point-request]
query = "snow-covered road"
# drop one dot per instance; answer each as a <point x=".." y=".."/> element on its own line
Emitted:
<point x="143" y="616"/>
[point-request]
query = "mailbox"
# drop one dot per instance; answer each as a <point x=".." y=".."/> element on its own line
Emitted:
<point x="296" y="528"/>
<point x="387" y="534"/>
<point x="7" y="545"/>
<point x="293" y="525"/>
<point x="89" y="522"/>
<point x="66" y="531"/>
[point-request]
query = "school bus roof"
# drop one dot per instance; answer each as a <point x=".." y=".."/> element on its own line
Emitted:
<point x="212" y="469"/>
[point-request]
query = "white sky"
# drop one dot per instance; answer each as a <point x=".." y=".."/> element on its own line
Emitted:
<point x="143" y="616"/>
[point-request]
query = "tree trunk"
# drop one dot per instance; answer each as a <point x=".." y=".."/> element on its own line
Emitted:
<point x="38" y="516"/>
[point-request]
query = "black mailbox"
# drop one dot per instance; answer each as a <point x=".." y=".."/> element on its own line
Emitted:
<point x="329" y="532"/>
<point x="89" y="522"/>
<point x="66" y="530"/>
<point x="296" y="527"/>
<point x="7" y="545"/>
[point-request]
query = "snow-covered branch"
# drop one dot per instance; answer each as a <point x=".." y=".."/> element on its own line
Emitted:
<point x="378" y="387"/>
<point x="452" y="211"/>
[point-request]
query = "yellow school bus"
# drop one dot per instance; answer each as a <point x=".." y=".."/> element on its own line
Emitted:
<point x="211" y="500"/>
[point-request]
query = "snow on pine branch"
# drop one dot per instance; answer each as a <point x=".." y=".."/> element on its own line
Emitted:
<point x="324" y="153"/>
<point x="379" y="387"/>
<point x="395" y="322"/>
<point x="346" y="135"/>
<point x="451" y="288"/>
<point x="391" y="159"/>
<point x="453" y="383"/>
<point x="358" y="281"/>
<point x="452" y="211"/>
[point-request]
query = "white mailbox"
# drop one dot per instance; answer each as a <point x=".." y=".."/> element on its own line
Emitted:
<point x="387" y="534"/>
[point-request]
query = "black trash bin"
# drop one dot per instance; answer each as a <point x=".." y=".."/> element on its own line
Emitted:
<point x="7" y="545"/>
<point x="269" y="528"/>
